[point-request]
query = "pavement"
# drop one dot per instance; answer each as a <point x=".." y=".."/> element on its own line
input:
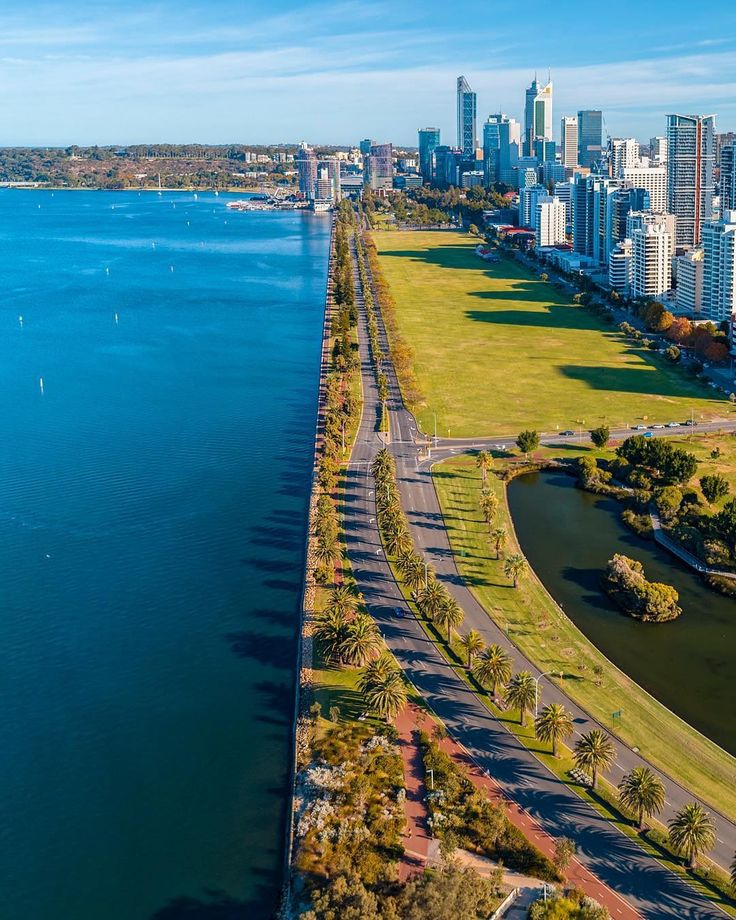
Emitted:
<point x="615" y="859"/>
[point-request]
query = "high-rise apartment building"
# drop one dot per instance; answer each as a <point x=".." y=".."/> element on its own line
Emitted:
<point x="332" y="166"/>
<point x="466" y="131"/>
<point x="651" y="178"/>
<point x="689" y="294"/>
<point x="728" y="177"/>
<point x="429" y="141"/>
<point x="549" y="221"/>
<point x="593" y="214"/>
<point x="590" y="137"/>
<point x="569" y="140"/>
<point x="537" y="115"/>
<point x="690" y="182"/>
<point x="563" y="192"/>
<point x="528" y="197"/>
<point x="305" y="161"/>
<point x="623" y="154"/>
<point x="378" y="170"/>
<point x="651" y="271"/>
<point x="620" y="265"/>
<point x="719" y="268"/>
<point x="509" y="147"/>
<point x="658" y="149"/>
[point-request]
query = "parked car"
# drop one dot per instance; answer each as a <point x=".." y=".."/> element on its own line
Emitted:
<point x="690" y="422"/>
<point x="673" y="424"/>
<point x="648" y="434"/>
<point x="656" y="426"/>
<point x="639" y="428"/>
<point x="567" y="433"/>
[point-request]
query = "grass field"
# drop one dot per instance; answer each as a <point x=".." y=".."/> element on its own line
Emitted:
<point x="543" y="632"/>
<point x="497" y="350"/>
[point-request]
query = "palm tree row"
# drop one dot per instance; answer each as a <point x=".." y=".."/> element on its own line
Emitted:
<point x="346" y="635"/>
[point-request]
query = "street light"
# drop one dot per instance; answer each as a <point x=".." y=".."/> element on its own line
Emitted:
<point x="536" y="688"/>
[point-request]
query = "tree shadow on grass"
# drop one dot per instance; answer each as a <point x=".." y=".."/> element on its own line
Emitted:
<point x="645" y="381"/>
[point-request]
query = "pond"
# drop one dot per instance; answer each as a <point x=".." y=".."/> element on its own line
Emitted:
<point x="568" y="537"/>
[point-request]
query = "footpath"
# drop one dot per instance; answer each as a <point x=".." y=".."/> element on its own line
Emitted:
<point x="421" y="849"/>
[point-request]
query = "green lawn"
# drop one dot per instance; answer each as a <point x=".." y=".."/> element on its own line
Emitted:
<point x="497" y="350"/>
<point x="543" y="632"/>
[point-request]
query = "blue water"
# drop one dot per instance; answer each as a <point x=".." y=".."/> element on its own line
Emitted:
<point x="152" y="509"/>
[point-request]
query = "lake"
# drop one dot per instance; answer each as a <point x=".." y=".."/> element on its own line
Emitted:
<point x="158" y="377"/>
<point x="569" y="535"/>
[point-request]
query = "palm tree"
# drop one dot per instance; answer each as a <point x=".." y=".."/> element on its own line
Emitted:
<point x="363" y="641"/>
<point x="416" y="575"/>
<point x="521" y="693"/>
<point x="489" y="506"/>
<point x="383" y="463"/>
<point x="449" y="616"/>
<point x="733" y="873"/>
<point x="473" y="644"/>
<point x="484" y="461"/>
<point x="432" y="598"/>
<point x="513" y="567"/>
<point x="642" y="792"/>
<point x="499" y="539"/>
<point x="326" y="550"/>
<point x="404" y="561"/>
<point x="692" y="832"/>
<point x="493" y="668"/>
<point x="342" y="600"/>
<point x="330" y="630"/>
<point x="553" y="724"/>
<point x="376" y="672"/>
<point x="389" y="697"/>
<point x="398" y="541"/>
<point x="594" y="751"/>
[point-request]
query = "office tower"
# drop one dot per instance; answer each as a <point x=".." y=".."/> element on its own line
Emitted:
<point x="658" y="149"/>
<point x="378" y="171"/>
<point x="528" y="197"/>
<point x="549" y="221"/>
<point x="593" y="216"/>
<point x="725" y="139"/>
<point x="447" y="166"/>
<point x="552" y="171"/>
<point x="563" y="191"/>
<point x="590" y="137"/>
<point x="506" y="132"/>
<point x="306" y="168"/>
<point x="689" y="295"/>
<point x="719" y="268"/>
<point x="690" y="163"/>
<point x="569" y="140"/>
<point x="624" y="154"/>
<point x="537" y="115"/>
<point x="527" y="172"/>
<point x="365" y="146"/>
<point x="429" y="141"/>
<point x="620" y="265"/>
<point x="545" y="150"/>
<point x="466" y="133"/>
<point x="728" y="177"/>
<point x="332" y="165"/>
<point x="471" y="178"/>
<point x="491" y="149"/>
<point x="651" y="261"/>
<point x="652" y="179"/>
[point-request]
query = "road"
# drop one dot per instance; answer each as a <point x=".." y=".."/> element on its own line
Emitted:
<point x="614" y="858"/>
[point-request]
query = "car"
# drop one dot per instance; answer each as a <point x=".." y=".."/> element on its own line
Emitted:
<point x="656" y="426"/>
<point x="690" y="422"/>
<point x="639" y="428"/>
<point x="399" y="612"/>
<point x="673" y="424"/>
<point x="648" y="434"/>
<point x="566" y="433"/>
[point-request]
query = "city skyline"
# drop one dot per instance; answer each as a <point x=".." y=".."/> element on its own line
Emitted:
<point x="110" y="74"/>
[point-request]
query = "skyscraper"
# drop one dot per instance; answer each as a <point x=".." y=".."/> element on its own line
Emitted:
<point x="651" y="265"/>
<point x="728" y="178"/>
<point x="593" y="216"/>
<point x="651" y="178"/>
<point x="690" y="184"/>
<point x="378" y="172"/>
<point x="624" y="153"/>
<point x="569" y="140"/>
<point x="537" y="115"/>
<point x="306" y="168"/>
<point x="466" y="134"/>
<point x="719" y="268"/>
<point x="429" y="141"/>
<point x="590" y="137"/>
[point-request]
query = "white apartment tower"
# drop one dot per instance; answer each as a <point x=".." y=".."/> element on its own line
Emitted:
<point x="690" y="281"/>
<point x="549" y="221"/>
<point x="651" y="178"/>
<point x="719" y="268"/>
<point x="620" y="266"/>
<point x="651" y="274"/>
<point x="569" y="140"/>
<point x="690" y="163"/>
<point x="624" y="153"/>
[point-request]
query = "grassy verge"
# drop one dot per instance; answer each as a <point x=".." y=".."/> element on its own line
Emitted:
<point x="472" y="326"/>
<point x="541" y="630"/>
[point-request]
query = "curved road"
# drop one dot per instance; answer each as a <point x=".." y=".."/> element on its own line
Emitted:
<point x="614" y="858"/>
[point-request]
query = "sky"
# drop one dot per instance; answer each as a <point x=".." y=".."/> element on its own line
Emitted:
<point x="234" y="71"/>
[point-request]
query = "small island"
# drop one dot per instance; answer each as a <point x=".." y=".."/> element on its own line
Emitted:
<point x="649" y="601"/>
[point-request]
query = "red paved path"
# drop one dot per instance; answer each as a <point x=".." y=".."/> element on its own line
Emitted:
<point x="417" y="838"/>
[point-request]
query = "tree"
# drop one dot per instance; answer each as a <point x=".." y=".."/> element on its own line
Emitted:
<point x="673" y="354"/>
<point x="733" y="873"/>
<point x="473" y="230"/>
<point x="449" y="616"/>
<point x="327" y="550"/>
<point x="692" y="832"/>
<point x="389" y="697"/>
<point x="595" y="752"/>
<point x="565" y="849"/>
<point x="398" y="541"/>
<point x="521" y="693"/>
<point x="600" y="436"/>
<point x="484" y="461"/>
<point x="527" y="442"/>
<point x="342" y="600"/>
<point x="376" y="672"/>
<point x="553" y="724"/>
<point x="680" y="330"/>
<point x="330" y="631"/>
<point x="447" y="894"/>
<point x="363" y="641"/>
<point x="668" y="501"/>
<point x="642" y="792"/>
<point x="473" y="644"/>
<point x="489" y="506"/>
<point x="448" y="846"/>
<point x="499" y="535"/>
<point x="432" y="598"/>
<point x="714" y="486"/>
<point x="514" y="567"/>
<point x="493" y="668"/>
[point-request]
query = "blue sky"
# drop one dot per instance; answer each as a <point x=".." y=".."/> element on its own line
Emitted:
<point x="333" y="72"/>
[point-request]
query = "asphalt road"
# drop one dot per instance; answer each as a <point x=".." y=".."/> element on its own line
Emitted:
<point x="614" y="858"/>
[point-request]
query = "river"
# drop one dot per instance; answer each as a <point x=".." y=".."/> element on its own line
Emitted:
<point x="569" y="535"/>
<point x="153" y="496"/>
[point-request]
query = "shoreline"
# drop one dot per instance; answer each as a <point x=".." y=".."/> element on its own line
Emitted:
<point x="230" y="189"/>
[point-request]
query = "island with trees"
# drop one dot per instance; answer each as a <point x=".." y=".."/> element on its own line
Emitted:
<point x="650" y="601"/>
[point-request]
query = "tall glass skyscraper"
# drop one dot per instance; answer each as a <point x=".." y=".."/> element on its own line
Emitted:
<point x="467" y="139"/>
<point x="429" y="141"/>
<point x="590" y="137"/>
<point x="691" y="159"/>
<point x="537" y="115"/>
